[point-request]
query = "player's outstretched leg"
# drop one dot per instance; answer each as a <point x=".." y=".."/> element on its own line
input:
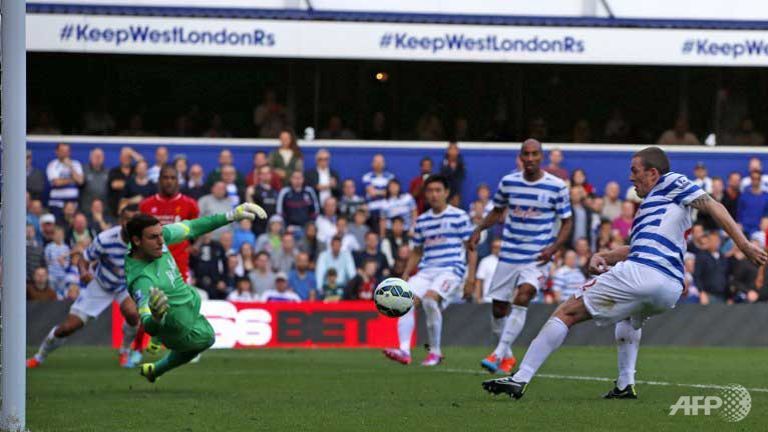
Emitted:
<point x="628" y="345"/>
<point x="551" y="336"/>
<point x="434" y="318"/>
<point x="129" y="358"/>
<point x="182" y="350"/>
<point x="172" y="360"/>
<point x="405" y="326"/>
<point x="513" y="326"/>
<point x="55" y="338"/>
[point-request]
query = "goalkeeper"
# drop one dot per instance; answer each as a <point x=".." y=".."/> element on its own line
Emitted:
<point x="169" y="308"/>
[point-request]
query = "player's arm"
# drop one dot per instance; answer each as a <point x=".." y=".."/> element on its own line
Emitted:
<point x="562" y="236"/>
<point x="600" y="261"/>
<point x="471" y="271"/>
<point x="189" y="229"/>
<point x="707" y="205"/>
<point x="413" y="261"/>
<point x="494" y="217"/>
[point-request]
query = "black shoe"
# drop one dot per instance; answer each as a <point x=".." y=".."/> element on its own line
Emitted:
<point x="629" y="392"/>
<point x="506" y="385"/>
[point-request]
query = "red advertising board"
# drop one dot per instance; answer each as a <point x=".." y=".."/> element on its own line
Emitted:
<point x="348" y="324"/>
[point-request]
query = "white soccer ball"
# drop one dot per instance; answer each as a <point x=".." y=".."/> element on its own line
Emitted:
<point x="393" y="297"/>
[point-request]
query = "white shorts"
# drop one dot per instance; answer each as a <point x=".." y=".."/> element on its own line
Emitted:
<point x="629" y="291"/>
<point x="444" y="282"/>
<point x="508" y="277"/>
<point x="93" y="300"/>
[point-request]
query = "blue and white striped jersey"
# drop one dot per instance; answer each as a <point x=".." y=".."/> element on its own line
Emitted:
<point x="108" y="252"/>
<point x="402" y="206"/>
<point x="657" y="238"/>
<point x="534" y="207"/>
<point x="379" y="182"/>
<point x="60" y="194"/>
<point x="442" y="238"/>
<point x="567" y="280"/>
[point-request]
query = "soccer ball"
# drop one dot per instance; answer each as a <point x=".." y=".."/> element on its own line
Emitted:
<point x="393" y="297"/>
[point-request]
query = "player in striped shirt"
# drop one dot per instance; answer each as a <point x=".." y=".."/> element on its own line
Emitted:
<point x="646" y="277"/>
<point x="440" y="252"/>
<point x="568" y="279"/>
<point x="106" y="254"/>
<point x="534" y="201"/>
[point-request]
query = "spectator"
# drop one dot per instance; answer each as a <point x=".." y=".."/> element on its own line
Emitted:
<point x="296" y="203"/>
<point x="375" y="183"/>
<point x="460" y="129"/>
<point x="39" y="287"/>
<point x="379" y="128"/>
<point x="717" y="194"/>
<point x="118" y="178"/>
<point x="242" y="234"/>
<point x="287" y="159"/>
<point x="752" y="206"/>
<point x="322" y="178"/>
<point x="234" y="192"/>
<point x="568" y="279"/>
<point x="214" y="203"/>
<point x="68" y="215"/>
<point x="401" y="260"/>
<point x="63" y="275"/>
<point x="582" y="133"/>
<point x="100" y="220"/>
<point x="302" y="280"/>
<point x="485" y="271"/>
<point x="732" y="193"/>
<point x="429" y="127"/>
<point x="416" y="187"/>
<point x="281" y="293"/>
<point x="284" y="258"/>
<point x="270" y="241"/>
<point x="623" y="224"/>
<point x="746" y="135"/>
<point x="697" y="240"/>
<point x="690" y="293"/>
<point x="398" y="204"/>
<point x="396" y="237"/>
<point x="350" y="202"/>
<point x="611" y="201"/>
<point x="182" y="127"/>
<point x="259" y="161"/>
<point x="372" y="252"/>
<point x="35" y="179"/>
<point x="243" y="291"/>
<point x="232" y="271"/>
<point x="579" y="178"/>
<point x="35" y="254"/>
<point x="348" y="240"/>
<point x="755" y="164"/>
<point x="80" y="234"/>
<point x="194" y="187"/>
<point x="310" y="244"/>
<point x="680" y="134"/>
<point x="161" y="158"/>
<point x="246" y="257"/>
<point x="554" y="168"/>
<point x="336" y="130"/>
<point x="269" y="117"/>
<point x="44" y="125"/>
<point x="583" y="252"/>
<point x="454" y="170"/>
<point x="701" y="179"/>
<point x="225" y="159"/>
<point x="332" y="291"/>
<point x="65" y="176"/>
<point x="263" y="194"/>
<point x="139" y="186"/>
<point x="335" y="258"/>
<point x="359" y="228"/>
<point x="362" y="285"/>
<point x="34" y="212"/>
<point x="537" y="129"/>
<point x="483" y="200"/>
<point x="711" y="271"/>
<point x="95" y="180"/>
<point x="217" y="129"/>
<point x="582" y="216"/>
<point x="182" y="168"/>
<point x="742" y="277"/>
<point x="262" y="278"/>
<point x="98" y="121"/>
<point x="604" y="236"/>
<point x="207" y="259"/>
<point x="135" y="127"/>
<point x="617" y="129"/>
<point x="47" y="228"/>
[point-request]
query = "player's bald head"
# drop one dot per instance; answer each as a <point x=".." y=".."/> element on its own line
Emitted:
<point x="530" y="144"/>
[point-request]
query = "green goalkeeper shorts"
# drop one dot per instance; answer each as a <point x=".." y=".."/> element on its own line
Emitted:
<point x="185" y="329"/>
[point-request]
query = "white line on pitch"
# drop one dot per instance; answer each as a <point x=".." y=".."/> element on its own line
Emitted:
<point x="592" y="378"/>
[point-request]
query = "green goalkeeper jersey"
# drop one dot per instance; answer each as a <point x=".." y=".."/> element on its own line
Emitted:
<point x="162" y="273"/>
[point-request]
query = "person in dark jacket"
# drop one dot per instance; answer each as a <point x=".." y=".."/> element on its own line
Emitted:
<point x="453" y="169"/>
<point x="322" y="178"/>
<point x="296" y="203"/>
<point x="711" y="272"/>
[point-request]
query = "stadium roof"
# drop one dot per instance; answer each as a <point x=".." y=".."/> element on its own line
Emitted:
<point x="422" y="18"/>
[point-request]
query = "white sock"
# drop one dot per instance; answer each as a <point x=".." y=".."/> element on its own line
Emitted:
<point x="497" y="326"/>
<point x="547" y="341"/>
<point x="512" y="328"/>
<point x="628" y="344"/>
<point x="129" y="334"/>
<point x="434" y="318"/>
<point x="50" y="343"/>
<point x="405" y="325"/>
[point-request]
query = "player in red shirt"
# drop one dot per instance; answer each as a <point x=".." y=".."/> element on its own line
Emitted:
<point x="169" y="206"/>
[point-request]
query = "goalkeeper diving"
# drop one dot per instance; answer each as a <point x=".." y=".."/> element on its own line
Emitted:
<point x="169" y="309"/>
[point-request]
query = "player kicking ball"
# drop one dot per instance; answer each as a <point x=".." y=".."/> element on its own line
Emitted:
<point x="441" y="254"/>
<point x="105" y="285"/>
<point x="646" y="277"/>
<point x="169" y="309"/>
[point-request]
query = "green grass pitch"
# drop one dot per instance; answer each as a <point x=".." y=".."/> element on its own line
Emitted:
<point x="82" y="389"/>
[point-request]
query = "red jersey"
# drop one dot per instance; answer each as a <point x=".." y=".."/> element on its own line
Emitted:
<point x="170" y="210"/>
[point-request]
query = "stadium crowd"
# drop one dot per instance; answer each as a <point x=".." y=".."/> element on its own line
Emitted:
<point x="333" y="238"/>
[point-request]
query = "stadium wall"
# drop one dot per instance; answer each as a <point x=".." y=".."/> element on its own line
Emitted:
<point x="469" y="325"/>
<point x="485" y="162"/>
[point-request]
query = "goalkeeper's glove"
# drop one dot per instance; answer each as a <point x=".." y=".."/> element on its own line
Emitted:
<point x="246" y="211"/>
<point x="154" y="346"/>
<point x="158" y="304"/>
